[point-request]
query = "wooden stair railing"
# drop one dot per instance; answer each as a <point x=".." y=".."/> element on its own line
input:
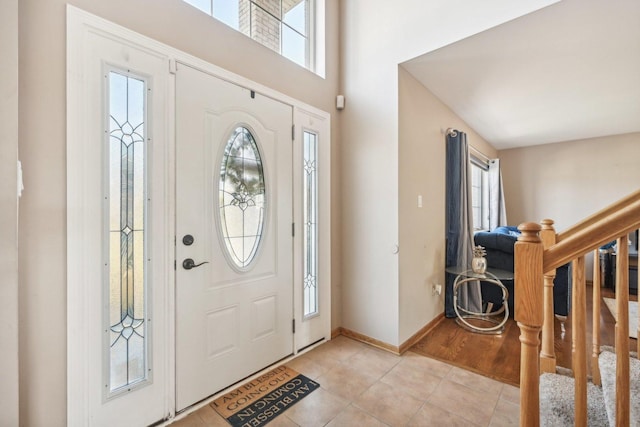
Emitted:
<point x="538" y="252"/>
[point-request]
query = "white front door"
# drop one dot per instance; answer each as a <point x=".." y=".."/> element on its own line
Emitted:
<point x="234" y="244"/>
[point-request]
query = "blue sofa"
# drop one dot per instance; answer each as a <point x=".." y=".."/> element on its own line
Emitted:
<point x="499" y="244"/>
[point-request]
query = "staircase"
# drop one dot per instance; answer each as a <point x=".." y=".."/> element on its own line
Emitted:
<point x="557" y="406"/>
<point x="611" y="397"/>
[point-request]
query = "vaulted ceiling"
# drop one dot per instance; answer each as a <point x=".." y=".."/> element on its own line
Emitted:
<point x="568" y="71"/>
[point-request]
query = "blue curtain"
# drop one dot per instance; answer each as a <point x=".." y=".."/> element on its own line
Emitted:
<point x="459" y="222"/>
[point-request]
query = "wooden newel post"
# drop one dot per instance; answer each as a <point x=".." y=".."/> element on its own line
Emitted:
<point x="528" y="288"/>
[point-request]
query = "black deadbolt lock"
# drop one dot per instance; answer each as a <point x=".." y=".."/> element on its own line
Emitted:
<point x="188" y="240"/>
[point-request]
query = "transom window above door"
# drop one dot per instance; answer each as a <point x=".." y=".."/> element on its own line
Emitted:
<point x="284" y="26"/>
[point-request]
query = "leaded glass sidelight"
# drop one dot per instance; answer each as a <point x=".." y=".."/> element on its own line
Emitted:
<point x="242" y="197"/>
<point x="310" y="212"/>
<point x="126" y="329"/>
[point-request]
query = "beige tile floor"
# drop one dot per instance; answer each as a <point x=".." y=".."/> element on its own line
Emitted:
<point x="363" y="386"/>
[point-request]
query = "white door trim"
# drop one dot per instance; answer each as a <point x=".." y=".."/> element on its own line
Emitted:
<point x="80" y="23"/>
<point x="91" y="53"/>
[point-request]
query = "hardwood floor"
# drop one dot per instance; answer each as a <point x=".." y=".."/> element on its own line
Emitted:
<point x="498" y="356"/>
<point x="494" y="356"/>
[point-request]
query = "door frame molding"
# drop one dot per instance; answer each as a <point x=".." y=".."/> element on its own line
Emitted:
<point x="79" y="23"/>
<point x="85" y="212"/>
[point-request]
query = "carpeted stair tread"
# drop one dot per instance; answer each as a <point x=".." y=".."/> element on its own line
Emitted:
<point x="564" y="371"/>
<point x="569" y="373"/>
<point x="607" y="363"/>
<point x="610" y="349"/>
<point x="556" y="402"/>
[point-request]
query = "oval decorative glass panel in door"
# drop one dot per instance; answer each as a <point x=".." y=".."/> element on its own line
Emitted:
<point x="242" y="197"/>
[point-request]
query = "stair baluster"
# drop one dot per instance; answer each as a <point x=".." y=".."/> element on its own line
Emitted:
<point x="595" y="316"/>
<point x="579" y="348"/>
<point x="547" y="353"/>
<point x="622" y="332"/>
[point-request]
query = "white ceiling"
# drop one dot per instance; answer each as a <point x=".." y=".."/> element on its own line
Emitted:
<point x="568" y="71"/>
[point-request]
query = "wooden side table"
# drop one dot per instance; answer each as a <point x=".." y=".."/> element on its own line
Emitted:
<point x="496" y="319"/>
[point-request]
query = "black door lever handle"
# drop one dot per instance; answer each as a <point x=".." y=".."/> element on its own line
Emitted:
<point x="188" y="264"/>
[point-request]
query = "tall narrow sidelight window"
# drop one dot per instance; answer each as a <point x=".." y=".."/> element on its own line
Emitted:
<point x="310" y="212"/>
<point x="126" y="327"/>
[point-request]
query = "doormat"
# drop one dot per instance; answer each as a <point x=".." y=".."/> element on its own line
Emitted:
<point x="259" y="401"/>
<point x="633" y="315"/>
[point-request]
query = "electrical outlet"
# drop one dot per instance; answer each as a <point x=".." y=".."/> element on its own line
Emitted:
<point x="436" y="289"/>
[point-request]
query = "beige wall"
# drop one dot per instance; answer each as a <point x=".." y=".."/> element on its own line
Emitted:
<point x="422" y="154"/>
<point x="568" y="181"/>
<point x="9" y="213"/>
<point x="364" y="169"/>
<point x="377" y="35"/>
<point x="42" y="149"/>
